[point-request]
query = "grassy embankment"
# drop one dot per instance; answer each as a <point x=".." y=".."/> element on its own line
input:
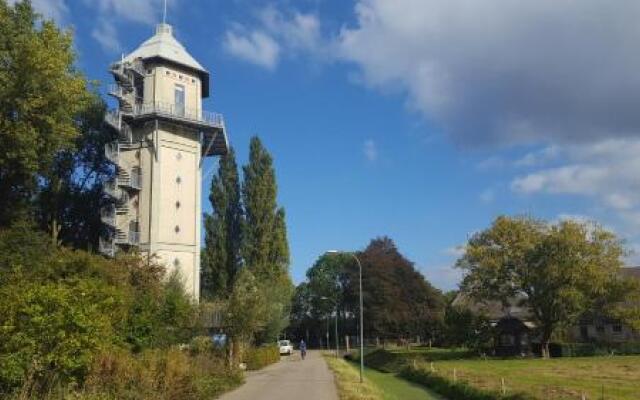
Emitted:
<point x="562" y="378"/>
<point x="348" y="382"/>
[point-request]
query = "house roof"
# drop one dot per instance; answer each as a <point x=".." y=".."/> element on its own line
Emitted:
<point x="494" y="310"/>
<point x="164" y="45"/>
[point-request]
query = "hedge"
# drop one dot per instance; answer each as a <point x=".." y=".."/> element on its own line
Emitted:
<point x="260" y="357"/>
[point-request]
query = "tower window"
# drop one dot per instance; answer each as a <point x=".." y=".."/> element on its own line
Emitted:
<point x="176" y="262"/>
<point x="177" y="204"/>
<point x="177" y="229"/>
<point x="178" y="180"/>
<point x="179" y="156"/>
<point x="179" y="99"/>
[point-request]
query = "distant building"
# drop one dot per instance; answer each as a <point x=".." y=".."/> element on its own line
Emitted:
<point x="598" y="328"/>
<point x="163" y="135"/>
<point x="515" y="330"/>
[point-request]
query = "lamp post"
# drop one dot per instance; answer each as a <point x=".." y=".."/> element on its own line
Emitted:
<point x="361" y="313"/>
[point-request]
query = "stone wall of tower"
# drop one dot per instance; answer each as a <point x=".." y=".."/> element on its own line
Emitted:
<point x="160" y="83"/>
<point x="169" y="206"/>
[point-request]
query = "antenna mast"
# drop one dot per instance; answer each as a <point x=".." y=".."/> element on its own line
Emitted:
<point x="164" y="13"/>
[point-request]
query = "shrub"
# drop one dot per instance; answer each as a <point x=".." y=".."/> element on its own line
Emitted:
<point x="455" y="390"/>
<point x="159" y="375"/>
<point x="260" y="357"/>
<point x="50" y="332"/>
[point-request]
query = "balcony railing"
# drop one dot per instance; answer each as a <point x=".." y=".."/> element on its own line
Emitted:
<point x="188" y="114"/>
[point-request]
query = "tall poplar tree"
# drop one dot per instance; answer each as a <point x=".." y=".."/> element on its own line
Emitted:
<point x="265" y="249"/>
<point x="221" y="257"/>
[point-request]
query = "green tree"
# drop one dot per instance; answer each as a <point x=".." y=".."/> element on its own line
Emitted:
<point x="221" y="258"/>
<point x="246" y="313"/>
<point x="71" y="190"/>
<point x="41" y="94"/>
<point x="265" y="249"/>
<point x="561" y="269"/>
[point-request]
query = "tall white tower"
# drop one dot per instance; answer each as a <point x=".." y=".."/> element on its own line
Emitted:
<point x="163" y="137"/>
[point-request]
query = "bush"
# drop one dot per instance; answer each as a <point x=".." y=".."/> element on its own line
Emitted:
<point x="159" y="374"/>
<point x="455" y="390"/>
<point x="61" y="307"/>
<point x="260" y="357"/>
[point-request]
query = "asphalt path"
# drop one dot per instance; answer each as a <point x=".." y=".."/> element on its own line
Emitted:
<point x="290" y="379"/>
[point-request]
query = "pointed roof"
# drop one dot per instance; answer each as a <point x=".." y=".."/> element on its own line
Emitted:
<point x="163" y="45"/>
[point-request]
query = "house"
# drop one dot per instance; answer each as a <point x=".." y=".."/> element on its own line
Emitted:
<point x="593" y="327"/>
<point x="515" y="329"/>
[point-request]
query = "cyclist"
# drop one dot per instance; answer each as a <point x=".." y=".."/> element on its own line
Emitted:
<point x="303" y="349"/>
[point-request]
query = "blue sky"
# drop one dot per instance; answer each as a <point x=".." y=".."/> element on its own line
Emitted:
<point x="421" y="120"/>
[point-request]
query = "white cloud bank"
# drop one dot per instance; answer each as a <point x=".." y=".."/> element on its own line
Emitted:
<point x="505" y="72"/>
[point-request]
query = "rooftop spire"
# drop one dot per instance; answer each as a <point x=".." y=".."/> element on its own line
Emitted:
<point x="164" y="13"/>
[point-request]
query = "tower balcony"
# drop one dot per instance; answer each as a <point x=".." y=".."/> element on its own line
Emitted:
<point x="204" y="119"/>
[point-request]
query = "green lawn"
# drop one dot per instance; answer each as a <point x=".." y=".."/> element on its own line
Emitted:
<point x="395" y="388"/>
<point x="560" y="378"/>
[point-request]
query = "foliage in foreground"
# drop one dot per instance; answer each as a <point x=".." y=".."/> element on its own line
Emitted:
<point x="61" y="307"/>
<point x="348" y="382"/>
<point x="260" y="357"/>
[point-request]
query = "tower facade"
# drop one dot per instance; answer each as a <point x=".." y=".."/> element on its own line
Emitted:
<point x="163" y="135"/>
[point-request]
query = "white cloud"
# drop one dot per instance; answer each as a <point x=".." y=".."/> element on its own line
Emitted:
<point x="107" y="35"/>
<point x="370" y="150"/>
<point x="504" y="72"/>
<point x="277" y="34"/>
<point x="606" y="171"/>
<point x="255" y="47"/>
<point x="50" y="9"/>
<point x="143" y="11"/>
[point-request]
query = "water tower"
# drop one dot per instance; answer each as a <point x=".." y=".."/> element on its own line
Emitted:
<point x="163" y="137"/>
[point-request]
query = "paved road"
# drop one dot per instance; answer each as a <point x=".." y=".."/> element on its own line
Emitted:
<point x="290" y="379"/>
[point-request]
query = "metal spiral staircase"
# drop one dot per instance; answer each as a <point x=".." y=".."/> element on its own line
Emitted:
<point x="118" y="217"/>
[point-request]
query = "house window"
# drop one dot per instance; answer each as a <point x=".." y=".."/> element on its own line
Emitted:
<point x="617" y="328"/>
<point x="179" y="99"/>
<point x="600" y="328"/>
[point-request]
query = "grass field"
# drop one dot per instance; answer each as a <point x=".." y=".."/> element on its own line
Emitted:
<point x="395" y="388"/>
<point x="562" y="378"/>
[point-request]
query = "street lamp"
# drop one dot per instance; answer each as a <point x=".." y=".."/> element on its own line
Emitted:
<point x="361" y="314"/>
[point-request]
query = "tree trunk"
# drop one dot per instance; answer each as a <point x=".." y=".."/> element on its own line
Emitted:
<point x="546" y="337"/>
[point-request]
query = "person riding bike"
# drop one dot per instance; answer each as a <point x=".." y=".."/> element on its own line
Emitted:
<point x="303" y="349"/>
